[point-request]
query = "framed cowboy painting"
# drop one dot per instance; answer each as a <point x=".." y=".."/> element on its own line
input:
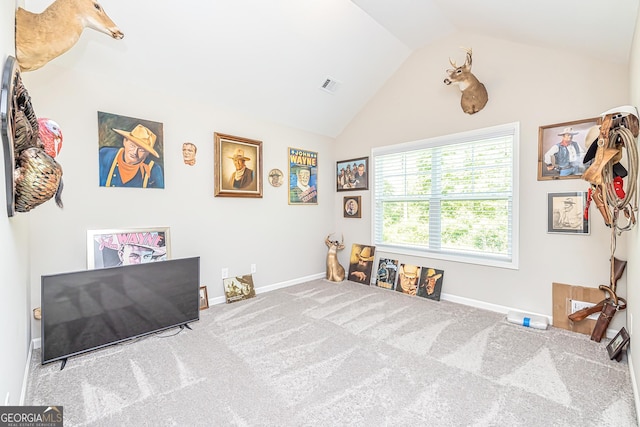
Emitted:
<point x="562" y="148"/>
<point x="237" y="166"/>
<point x="130" y="152"/>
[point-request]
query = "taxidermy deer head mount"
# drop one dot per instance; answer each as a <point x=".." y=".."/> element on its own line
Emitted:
<point x="474" y="94"/>
<point x="47" y="35"/>
<point x="335" y="272"/>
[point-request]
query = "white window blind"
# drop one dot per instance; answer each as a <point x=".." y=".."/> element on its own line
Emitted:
<point x="451" y="197"/>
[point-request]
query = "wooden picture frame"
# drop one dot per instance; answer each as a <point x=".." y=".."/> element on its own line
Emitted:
<point x="352" y="174"/>
<point x="566" y="213"/>
<point x="352" y="207"/>
<point x="204" y="298"/>
<point x="303" y="177"/>
<point x="112" y="248"/>
<point x="549" y="138"/>
<point x="237" y="166"/>
<point x="615" y="346"/>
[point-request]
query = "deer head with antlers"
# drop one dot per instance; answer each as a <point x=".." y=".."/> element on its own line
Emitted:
<point x="335" y="271"/>
<point x="474" y="94"/>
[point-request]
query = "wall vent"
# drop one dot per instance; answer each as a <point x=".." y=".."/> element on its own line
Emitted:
<point x="330" y="85"/>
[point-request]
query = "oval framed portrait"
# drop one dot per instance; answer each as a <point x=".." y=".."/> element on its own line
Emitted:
<point x="276" y="177"/>
<point x="351" y="207"/>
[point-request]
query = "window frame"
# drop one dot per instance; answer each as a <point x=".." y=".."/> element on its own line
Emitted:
<point x="511" y="262"/>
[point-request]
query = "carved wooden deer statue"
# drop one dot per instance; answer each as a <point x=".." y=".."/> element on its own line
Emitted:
<point x="474" y="94"/>
<point x="47" y="35"/>
<point x="335" y="271"/>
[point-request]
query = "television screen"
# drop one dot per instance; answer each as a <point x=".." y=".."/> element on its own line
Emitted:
<point x="86" y="310"/>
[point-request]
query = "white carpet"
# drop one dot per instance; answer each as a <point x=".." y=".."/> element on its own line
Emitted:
<point x="326" y="354"/>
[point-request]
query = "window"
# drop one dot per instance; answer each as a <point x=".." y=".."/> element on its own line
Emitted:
<point x="451" y="197"/>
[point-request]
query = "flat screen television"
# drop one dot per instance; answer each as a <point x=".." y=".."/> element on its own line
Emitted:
<point x="87" y="310"/>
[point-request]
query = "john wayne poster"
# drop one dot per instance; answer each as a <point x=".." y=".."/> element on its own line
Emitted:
<point x="303" y="177"/>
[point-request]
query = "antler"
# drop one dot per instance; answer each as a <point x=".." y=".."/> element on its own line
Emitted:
<point x="469" y="52"/>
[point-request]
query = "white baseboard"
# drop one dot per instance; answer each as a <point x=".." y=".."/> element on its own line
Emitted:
<point x="25" y="378"/>
<point x="634" y="384"/>
<point x="262" y="289"/>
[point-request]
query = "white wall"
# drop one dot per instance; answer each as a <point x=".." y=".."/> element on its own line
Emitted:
<point x="14" y="286"/>
<point x="530" y="85"/>
<point x="285" y="242"/>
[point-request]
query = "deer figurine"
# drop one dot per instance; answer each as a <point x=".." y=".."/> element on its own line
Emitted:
<point x="474" y="94"/>
<point x="335" y="271"/>
<point x="47" y="35"/>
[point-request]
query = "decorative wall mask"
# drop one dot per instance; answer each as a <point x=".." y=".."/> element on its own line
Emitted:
<point x="474" y="94"/>
<point x="41" y="37"/>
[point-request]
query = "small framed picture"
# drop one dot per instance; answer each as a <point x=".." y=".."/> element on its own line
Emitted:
<point x="351" y="207"/>
<point x="237" y="166"/>
<point x="614" y="348"/>
<point x="562" y="147"/>
<point x="204" y="298"/>
<point x="566" y="213"/>
<point x="352" y="174"/>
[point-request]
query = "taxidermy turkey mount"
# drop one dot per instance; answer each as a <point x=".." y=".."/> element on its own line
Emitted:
<point x="30" y="144"/>
<point x="41" y="37"/>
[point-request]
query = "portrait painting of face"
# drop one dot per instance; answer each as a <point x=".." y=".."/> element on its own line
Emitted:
<point x="430" y="284"/>
<point x="130" y="152"/>
<point x="408" y="279"/>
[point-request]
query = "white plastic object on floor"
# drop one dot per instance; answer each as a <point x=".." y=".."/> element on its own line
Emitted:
<point x="527" y="320"/>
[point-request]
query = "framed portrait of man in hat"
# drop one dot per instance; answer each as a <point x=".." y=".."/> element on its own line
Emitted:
<point x="237" y="166"/>
<point x="111" y="248"/>
<point x="430" y="283"/>
<point x="566" y="213"/>
<point x="130" y="152"/>
<point x="361" y="263"/>
<point x="562" y="148"/>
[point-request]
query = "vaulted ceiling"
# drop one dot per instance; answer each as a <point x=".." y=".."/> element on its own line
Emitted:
<point x="270" y="59"/>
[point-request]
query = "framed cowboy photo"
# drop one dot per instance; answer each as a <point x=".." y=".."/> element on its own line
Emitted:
<point x="566" y="213"/>
<point x="562" y="148"/>
<point x="352" y="174"/>
<point x="237" y="166"/>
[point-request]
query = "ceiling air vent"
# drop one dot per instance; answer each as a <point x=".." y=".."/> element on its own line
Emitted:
<point x="330" y="85"/>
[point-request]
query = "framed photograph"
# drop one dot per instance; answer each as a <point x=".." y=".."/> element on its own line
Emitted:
<point x="238" y="288"/>
<point x="204" y="298"/>
<point x="387" y="273"/>
<point x="352" y="174"/>
<point x="351" y="207"/>
<point x="130" y="152"/>
<point x="566" y="213"/>
<point x="111" y="248"/>
<point x="614" y="348"/>
<point x="303" y="177"/>
<point x="361" y="263"/>
<point x="237" y="166"/>
<point x="561" y="149"/>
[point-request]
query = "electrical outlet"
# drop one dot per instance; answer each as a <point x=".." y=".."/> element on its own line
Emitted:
<point x="253" y="268"/>
<point x="579" y="305"/>
<point x="225" y="273"/>
<point x="7" y="399"/>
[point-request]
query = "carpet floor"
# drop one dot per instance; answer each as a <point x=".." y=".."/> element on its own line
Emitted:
<point x="328" y="354"/>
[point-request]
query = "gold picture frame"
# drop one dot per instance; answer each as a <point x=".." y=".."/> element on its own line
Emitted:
<point x="204" y="298"/>
<point x="549" y="138"/>
<point x="237" y="166"/>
